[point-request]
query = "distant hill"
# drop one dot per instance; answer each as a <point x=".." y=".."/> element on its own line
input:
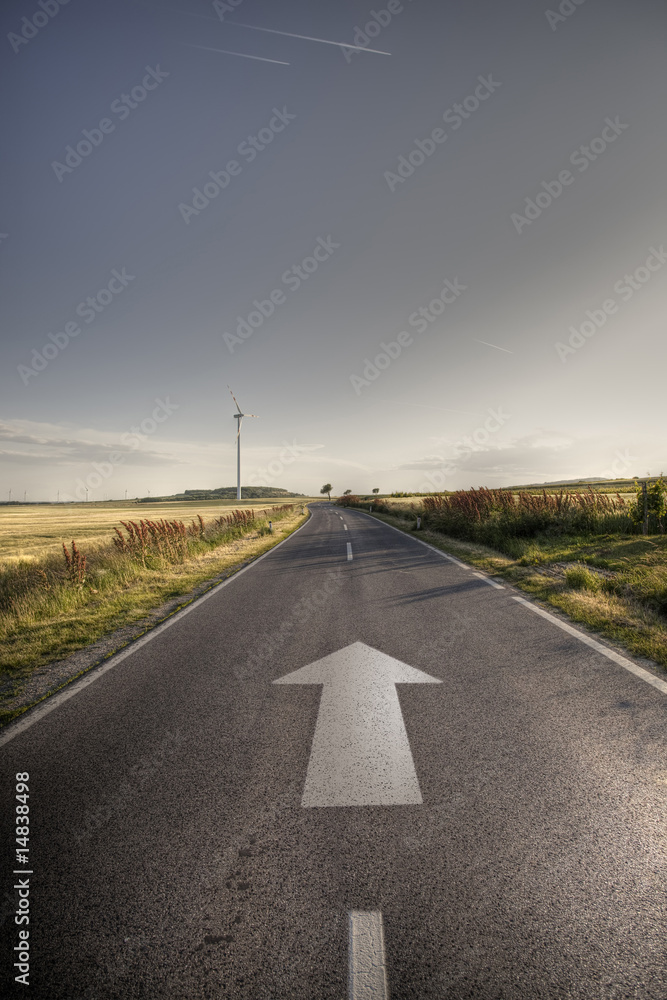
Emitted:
<point x="226" y="493"/>
<point x="568" y="482"/>
<point x="598" y="481"/>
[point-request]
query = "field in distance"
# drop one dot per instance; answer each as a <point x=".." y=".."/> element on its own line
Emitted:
<point x="626" y="488"/>
<point x="30" y="531"/>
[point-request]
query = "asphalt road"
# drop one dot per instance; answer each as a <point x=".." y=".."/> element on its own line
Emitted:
<point x="173" y="856"/>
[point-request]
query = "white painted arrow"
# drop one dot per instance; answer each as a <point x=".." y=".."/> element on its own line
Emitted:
<point x="360" y="754"/>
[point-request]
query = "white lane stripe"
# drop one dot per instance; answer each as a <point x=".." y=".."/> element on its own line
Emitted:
<point x="487" y="579"/>
<point x="367" y="964"/>
<point x="34" y="715"/>
<point x="609" y="653"/>
<point x="349" y="551"/>
<point x="345" y="527"/>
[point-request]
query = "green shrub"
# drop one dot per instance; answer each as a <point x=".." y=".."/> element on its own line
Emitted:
<point x="581" y="578"/>
<point x="656" y="496"/>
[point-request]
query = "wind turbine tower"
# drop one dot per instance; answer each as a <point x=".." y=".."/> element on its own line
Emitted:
<point x="238" y="417"/>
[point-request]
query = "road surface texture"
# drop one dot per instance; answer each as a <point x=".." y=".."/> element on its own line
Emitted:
<point x="177" y="850"/>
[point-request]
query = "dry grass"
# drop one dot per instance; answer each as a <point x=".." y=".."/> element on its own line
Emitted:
<point x="29" y="532"/>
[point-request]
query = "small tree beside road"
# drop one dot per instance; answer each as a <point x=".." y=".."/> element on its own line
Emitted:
<point x="327" y="488"/>
<point x="650" y="503"/>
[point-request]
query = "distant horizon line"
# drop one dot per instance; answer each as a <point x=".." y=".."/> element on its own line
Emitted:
<point x="281" y="493"/>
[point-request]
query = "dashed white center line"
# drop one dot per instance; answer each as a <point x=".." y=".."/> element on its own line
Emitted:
<point x="345" y="527"/>
<point x="349" y="552"/>
<point x="367" y="966"/>
<point x="487" y="579"/>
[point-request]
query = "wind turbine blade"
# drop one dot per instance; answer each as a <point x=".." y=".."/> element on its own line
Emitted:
<point x="238" y="433"/>
<point x="251" y="415"/>
<point x="238" y="408"/>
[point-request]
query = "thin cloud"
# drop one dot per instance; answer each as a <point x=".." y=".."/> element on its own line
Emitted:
<point x="243" y="55"/>
<point x="81" y="456"/>
<point x="69" y="446"/>
<point x="8" y="433"/>
<point x="270" y="31"/>
<point x="495" y="346"/>
<point x="309" y="38"/>
<point x="424" y="465"/>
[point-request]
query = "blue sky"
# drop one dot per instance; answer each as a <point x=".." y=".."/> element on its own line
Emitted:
<point x="353" y="185"/>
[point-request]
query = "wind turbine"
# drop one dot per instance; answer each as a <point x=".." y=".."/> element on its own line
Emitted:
<point x="239" y="419"/>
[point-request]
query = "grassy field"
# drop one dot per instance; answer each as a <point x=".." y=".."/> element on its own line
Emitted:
<point x="49" y="610"/>
<point x="29" y="532"/>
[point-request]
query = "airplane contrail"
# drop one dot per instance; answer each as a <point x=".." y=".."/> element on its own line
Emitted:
<point x="493" y="345"/>
<point x="309" y="38"/>
<point x="244" y="55"/>
<point x="272" y="31"/>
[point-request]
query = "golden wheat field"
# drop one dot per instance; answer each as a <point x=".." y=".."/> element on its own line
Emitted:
<point x="30" y="531"/>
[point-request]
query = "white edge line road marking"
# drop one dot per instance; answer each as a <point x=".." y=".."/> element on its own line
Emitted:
<point x="34" y="715"/>
<point x="367" y="966"/>
<point x="594" y="644"/>
<point x="349" y="551"/>
<point x="487" y="579"/>
<point x="645" y="675"/>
